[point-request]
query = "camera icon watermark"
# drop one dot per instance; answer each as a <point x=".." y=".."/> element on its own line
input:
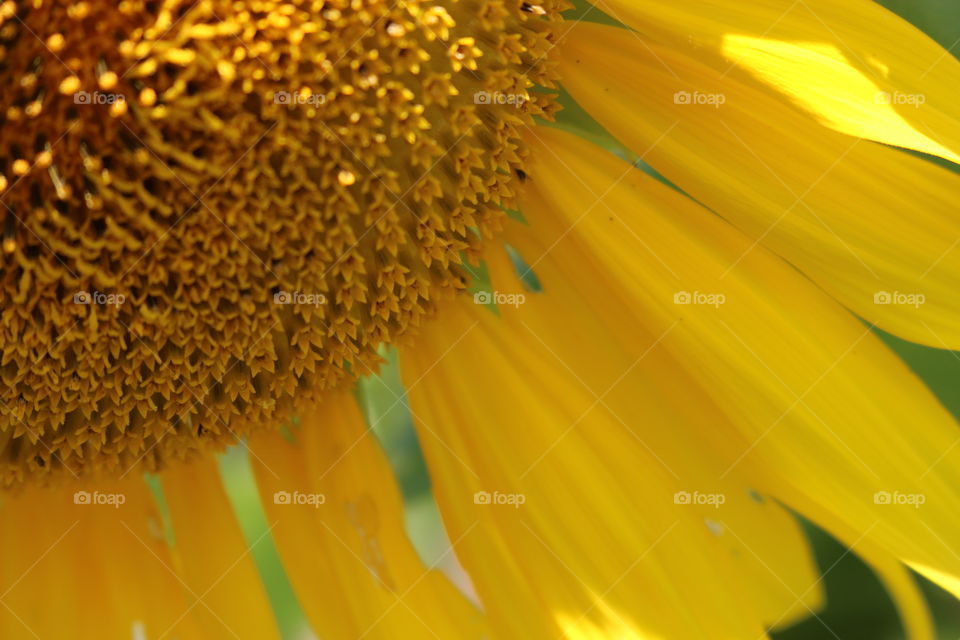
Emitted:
<point x="498" y="298"/>
<point x="499" y="98"/>
<point x="299" y="498"/>
<point x="497" y="497"/>
<point x="899" y="298"/>
<point x="896" y="498"/>
<point x="299" y="98"/>
<point x="115" y="500"/>
<point x="98" y="97"/>
<point x="916" y="100"/>
<point x="715" y="100"/>
<point x="99" y="298"/>
<point x="299" y="297"/>
<point x="697" y="297"/>
<point x="714" y="500"/>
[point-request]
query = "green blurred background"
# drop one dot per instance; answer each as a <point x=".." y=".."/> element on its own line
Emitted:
<point x="858" y="607"/>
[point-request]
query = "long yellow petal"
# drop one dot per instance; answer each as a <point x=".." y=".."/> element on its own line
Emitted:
<point x="855" y="66"/>
<point x="906" y="594"/>
<point x="562" y="513"/>
<point x="212" y="557"/>
<point x="665" y="410"/>
<point x="820" y="400"/>
<point x="88" y="562"/>
<point x="900" y="584"/>
<point x="875" y="227"/>
<point x="337" y="519"/>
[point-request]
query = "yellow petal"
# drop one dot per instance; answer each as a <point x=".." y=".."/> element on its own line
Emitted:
<point x="88" y="562"/>
<point x="899" y="582"/>
<point x="906" y="594"/>
<point x="875" y="227"/>
<point x="855" y="66"/>
<point x="665" y="410"/>
<point x="212" y="557"/>
<point x="337" y="519"/>
<point x="822" y="403"/>
<point x="562" y="514"/>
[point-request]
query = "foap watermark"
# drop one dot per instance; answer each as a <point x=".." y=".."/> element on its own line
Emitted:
<point x="708" y="499"/>
<point x="498" y="298"/>
<point x="895" y="497"/>
<point x="299" y="98"/>
<point x="98" y="97"/>
<point x="99" y="298"/>
<point x="895" y="97"/>
<point x="299" y="498"/>
<point x="497" y="497"/>
<point x="299" y="297"/>
<point x="497" y="97"/>
<point x="699" y="297"/>
<point x="114" y="500"/>
<point x="699" y="98"/>
<point x="899" y="298"/>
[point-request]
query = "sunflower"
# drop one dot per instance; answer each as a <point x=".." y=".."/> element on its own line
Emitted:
<point x="629" y="372"/>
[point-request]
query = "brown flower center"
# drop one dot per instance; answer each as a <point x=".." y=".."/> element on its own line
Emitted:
<point x="214" y="210"/>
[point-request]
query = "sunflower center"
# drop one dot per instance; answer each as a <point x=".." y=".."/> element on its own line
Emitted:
<point x="216" y="211"/>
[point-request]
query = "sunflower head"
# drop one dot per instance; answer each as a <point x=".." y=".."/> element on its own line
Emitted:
<point x="212" y="208"/>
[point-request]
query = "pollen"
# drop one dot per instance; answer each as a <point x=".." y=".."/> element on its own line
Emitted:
<point x="217" y="211"/>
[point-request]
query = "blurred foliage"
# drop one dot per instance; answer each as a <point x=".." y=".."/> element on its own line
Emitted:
<point x="858" y="607"/>
<point x="940" y="19"/>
